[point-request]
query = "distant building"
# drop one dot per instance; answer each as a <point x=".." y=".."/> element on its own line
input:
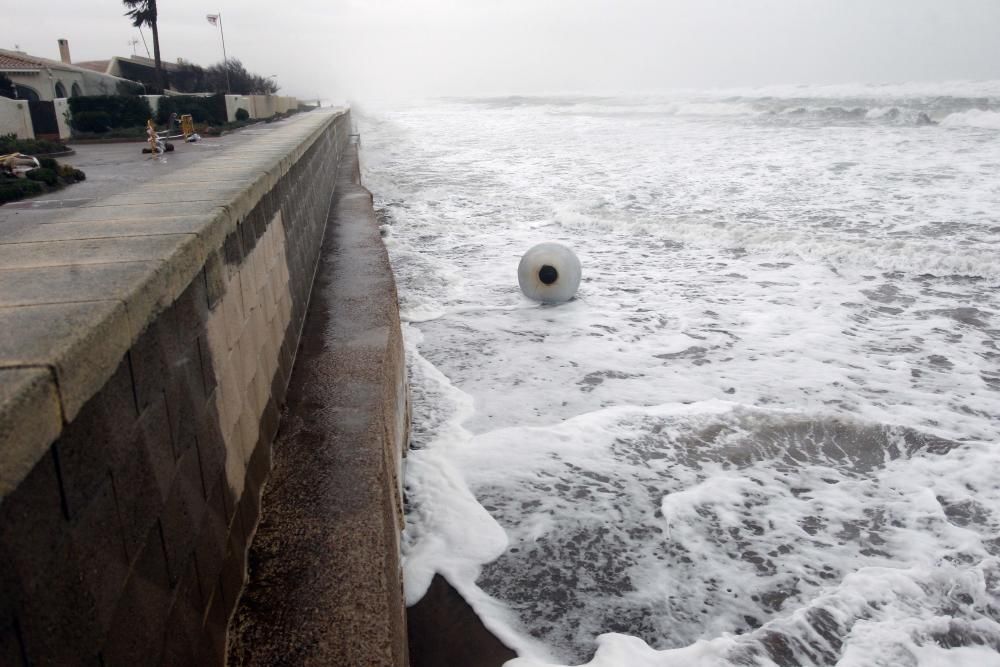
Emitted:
<point x="143" y="70"/>
<point x="37" y="78"/>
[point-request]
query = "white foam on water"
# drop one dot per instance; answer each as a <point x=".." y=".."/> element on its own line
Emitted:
<point x="765" y="432"/>
<point x="973" y="118"/>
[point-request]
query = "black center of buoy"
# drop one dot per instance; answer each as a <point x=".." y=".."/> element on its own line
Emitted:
<point x="548" y="274"/>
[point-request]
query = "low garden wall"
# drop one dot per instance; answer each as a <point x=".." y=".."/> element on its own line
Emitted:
<point x="15" y="118"/>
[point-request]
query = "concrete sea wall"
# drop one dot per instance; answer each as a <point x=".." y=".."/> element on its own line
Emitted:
<point x="146" y="343"/>
<point x="325" y="585"/>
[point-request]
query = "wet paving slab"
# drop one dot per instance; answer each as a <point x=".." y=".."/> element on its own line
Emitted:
<point x="116" y="169"/>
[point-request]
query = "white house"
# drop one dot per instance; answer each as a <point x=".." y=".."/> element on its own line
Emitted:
<point x="42" y="79"/>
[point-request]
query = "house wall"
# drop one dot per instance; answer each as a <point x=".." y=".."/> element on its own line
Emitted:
<point x="62" y="117"/>
<point x="44" y="82"/>
<point x="234" y="102"/>
<point x="286" y="103"/>
<point x="265" y="106"/>
<point x="15" y="118"/>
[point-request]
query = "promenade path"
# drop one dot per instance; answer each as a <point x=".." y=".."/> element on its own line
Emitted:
<point x="156" y="324"/>
<point x="84" y="268"/>
<point x="111" y="169"/>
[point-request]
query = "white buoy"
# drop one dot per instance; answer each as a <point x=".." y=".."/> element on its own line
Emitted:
<point x="549" y="272"/>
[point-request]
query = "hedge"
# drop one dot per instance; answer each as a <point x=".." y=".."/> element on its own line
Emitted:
<point x="92" y="121"/>
<point x="210" y="109"/>
<point x="47" y="176"/>
<point x="121" y="110"/>
<point x="50" y="176"/>
<point x="9" y="143"/>
<point x="14" y="189"/>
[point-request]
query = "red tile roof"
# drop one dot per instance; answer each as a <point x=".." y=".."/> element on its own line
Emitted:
<point x="11" y="61"/>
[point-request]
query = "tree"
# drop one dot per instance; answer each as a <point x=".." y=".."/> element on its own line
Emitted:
<point x="241" y="82"/>
<point x="143" y="12"/>
<point x="189" y="77"/>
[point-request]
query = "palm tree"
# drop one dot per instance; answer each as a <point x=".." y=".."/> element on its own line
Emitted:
<point x="143" y="12"/>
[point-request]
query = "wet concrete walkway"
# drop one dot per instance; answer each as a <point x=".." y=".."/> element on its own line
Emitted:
<point x="324" y="581"/>
<point x="115" y="169"/>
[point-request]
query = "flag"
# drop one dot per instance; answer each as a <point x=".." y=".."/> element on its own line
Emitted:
<point x="213" y="19"/>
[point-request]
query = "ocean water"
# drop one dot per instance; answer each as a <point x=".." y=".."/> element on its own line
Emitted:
<point x="767" y="430"/>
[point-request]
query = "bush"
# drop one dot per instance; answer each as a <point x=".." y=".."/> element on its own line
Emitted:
<point x="14" y="189"/>
<point x="242" y="114"/>
<point x="9" y="143"/>
<point x="47" y="176"/>
<point x="232" y="76"/>
<point x="70" y="174"/>
<point x="117" y="133"/>
<point x="121" y="111"/>
<point x="51" y="175"/>
<point x="92" y="121"/>
<point x="211" y="109"/>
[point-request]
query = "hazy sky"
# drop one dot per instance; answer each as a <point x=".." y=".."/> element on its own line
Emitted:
<point x="375" y="49"/>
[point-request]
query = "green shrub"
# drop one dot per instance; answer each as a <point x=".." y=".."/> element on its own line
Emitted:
<point x="47" y="176"/>
<point x="117" y="133"/>
<point x="242" y="114"/>
<point x="92" y="121"/>
<point x="71" y="174"/>
<point x="48" y="163"/>
<point x="9" y="143"/>
<point x="121" y="110"/>
<point x="14" y="189"/>
<point x="211" y="109"/>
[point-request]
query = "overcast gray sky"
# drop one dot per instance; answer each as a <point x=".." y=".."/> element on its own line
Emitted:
<point x="377" y="49"/>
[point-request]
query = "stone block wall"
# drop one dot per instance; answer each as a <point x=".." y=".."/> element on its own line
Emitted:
<point x="126" y="542"/>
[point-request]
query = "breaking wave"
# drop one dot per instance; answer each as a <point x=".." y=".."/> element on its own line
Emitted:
<point x="973" y="118"/>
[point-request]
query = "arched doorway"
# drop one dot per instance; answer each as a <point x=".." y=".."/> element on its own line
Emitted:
<point x="60" y="89"/>
<point x="25" y="93"/>
<point x="75" y="91"/>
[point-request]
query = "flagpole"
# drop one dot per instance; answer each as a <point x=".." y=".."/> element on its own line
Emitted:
<point x="225" y="60"/>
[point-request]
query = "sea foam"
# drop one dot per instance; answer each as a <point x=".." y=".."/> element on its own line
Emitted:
<point x="765" y="431"/>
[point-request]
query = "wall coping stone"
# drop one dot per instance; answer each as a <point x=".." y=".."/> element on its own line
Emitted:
<point x="77" y="293"/>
